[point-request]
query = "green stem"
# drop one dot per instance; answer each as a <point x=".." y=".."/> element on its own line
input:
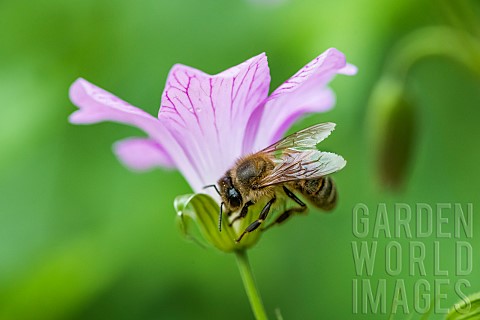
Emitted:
<point x="249" y="284"/>
<point x="431" y="41"/>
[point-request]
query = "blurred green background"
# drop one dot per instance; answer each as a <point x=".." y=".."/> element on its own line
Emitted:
<point x="81" y="237"/>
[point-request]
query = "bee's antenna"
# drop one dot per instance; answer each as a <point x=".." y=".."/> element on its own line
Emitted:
<point x="220" y="218"/>
<point x="212" y="186"/>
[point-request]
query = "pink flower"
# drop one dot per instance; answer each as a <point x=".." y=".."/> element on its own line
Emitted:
<point x="206" y="122"/>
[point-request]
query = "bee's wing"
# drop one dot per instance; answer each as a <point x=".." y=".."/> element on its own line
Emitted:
<point x="311" y="164"/>
<point x="305" y="139"/>
<point x="296" y="157"/>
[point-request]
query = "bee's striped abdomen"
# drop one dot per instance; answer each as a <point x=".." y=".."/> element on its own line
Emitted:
<point x="320" y="192"/>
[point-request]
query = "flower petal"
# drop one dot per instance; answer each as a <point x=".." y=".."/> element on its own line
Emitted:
<point x="97" y="105"/>
<point x="142" y="154"/>
<point x="208" y="115"/>
<point x="304" y="92"/>
<point x="349" y="70"/>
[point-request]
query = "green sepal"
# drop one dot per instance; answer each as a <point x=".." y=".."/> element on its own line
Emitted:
<point x="197" y="217"/>
<point x="467" y="309"/>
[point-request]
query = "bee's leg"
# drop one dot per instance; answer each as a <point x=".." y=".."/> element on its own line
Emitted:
<point x="284" y="216"/>
<point x="291" y="195"/>
<point x="243" y="213"/>
<point x="255" y="224"/>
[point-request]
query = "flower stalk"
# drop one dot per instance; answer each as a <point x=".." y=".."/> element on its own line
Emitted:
<point x="430" y="41"/>
<point x="250" y="285"/>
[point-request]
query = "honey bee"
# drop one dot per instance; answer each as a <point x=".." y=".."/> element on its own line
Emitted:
<point x="291" y="164"/>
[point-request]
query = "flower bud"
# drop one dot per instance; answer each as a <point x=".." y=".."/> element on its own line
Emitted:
<point x="393" y="130"/>
<point x="197" y="216"/>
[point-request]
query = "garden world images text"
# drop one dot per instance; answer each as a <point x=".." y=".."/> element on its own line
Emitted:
<point x="398" y="257"/>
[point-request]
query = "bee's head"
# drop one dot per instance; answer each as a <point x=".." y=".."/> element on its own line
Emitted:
<point x="230" y="195"/>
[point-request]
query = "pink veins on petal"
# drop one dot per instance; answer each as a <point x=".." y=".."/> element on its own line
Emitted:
<point x="206" y="121"/>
